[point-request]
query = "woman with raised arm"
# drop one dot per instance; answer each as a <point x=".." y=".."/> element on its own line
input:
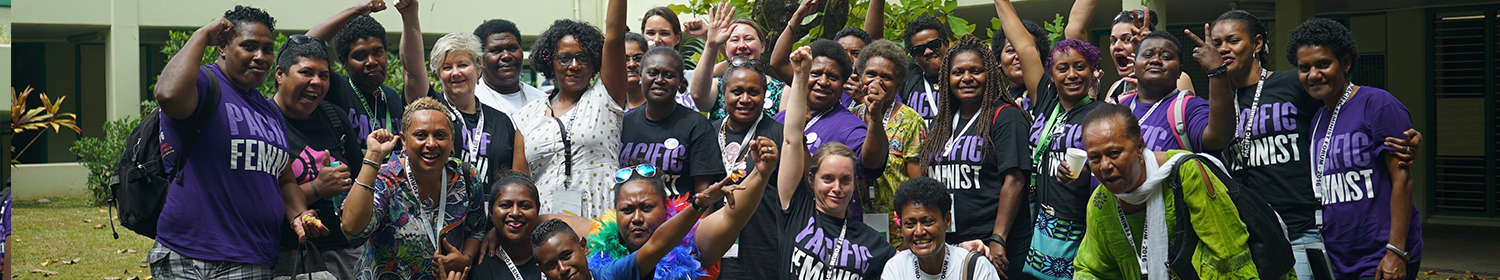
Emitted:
<point x="978" y="148"/>
<point x="1010" y="61"/>
<point x="1172" y="118"/>
<point x="816" y="216"/>
<point x="879" y="69"/>
<point x="731" y="37"/>
<point x="1064" y="85"/>
<point x="574" y="133"/>
<point x="1264" y="154"/>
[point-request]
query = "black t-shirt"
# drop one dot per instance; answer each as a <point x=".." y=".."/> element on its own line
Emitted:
<point x="681" y="146"/>
<point x="494" y="268"/>
<point x="915" y="93"/>
<point x="323" y="137"/>
<point x="974" y="174"/>
<point x="1062" y="201"/>
<point x="1274" y="161"/>
<point x="811" y="236"/>
<point x="761" y="232"/>
<point x="496" y="144"/>
<point x="358" y="107"/>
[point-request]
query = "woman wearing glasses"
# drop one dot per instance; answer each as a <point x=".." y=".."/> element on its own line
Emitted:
<point x="485" y="138"/>
<point x="573" y="135"/>
<point x="731" y="37"/>
<point x="668" y="135"/>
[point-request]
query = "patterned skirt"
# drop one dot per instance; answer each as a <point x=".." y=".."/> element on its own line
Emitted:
<point x="1054" y="245"/>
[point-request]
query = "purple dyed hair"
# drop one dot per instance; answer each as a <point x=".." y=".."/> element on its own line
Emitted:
<point x="1089" y="52"/>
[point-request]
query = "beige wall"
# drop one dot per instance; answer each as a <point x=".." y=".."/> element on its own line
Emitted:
<point x="33" y="181"/>
<point x="1406" y="64"/>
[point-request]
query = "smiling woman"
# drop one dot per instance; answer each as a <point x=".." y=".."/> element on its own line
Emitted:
<point x="924" y="205"/>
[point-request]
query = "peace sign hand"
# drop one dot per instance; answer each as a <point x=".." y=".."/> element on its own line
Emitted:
<point x="1205" y="53"/>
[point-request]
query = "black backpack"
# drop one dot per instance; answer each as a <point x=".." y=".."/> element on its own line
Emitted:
<point x="1268" y="244"/>
<point x="139" y="185"/>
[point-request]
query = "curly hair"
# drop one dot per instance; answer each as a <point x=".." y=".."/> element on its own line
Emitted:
<point x="1164" y="35"/>
<point x="994" y="95"/>
<point x="1089" y="52"/>
<point x="927" y="22"/>
<point x="510" y="177"/>
<point x="925" y="192"/>
<point x="241" y="15"/>
<point x="655" y="181"/>
<point x="494" y="26"/>
<point x="290" y="53"/>
<point x="550" y="228"/>
<point x="425" y="103"/>
<point x="360" y="27"/>
<point x="890" y="51"/>
<point x="1254" y="28"/>
<point x="832" y="50"/>
<point x="590" y="40"/>
<point x="1043" y="43"/>
<point x="453" y="42"/>
<point x="856" y="32"/>
<point x="1324" y="33"/>
<point x="666" y="14"/>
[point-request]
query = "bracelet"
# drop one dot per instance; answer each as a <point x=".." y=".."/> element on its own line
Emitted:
<point x="314" y="184"/>
<point x="367" y="186"/>
<point x="1400" y="253"/>
<point x="371" y="162"/>
<point x="700" y="208"/>
<point x="1218" y="71"/>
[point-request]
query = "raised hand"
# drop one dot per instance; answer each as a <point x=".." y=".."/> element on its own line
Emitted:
<point x="719" y="26"/>
<point x="218" y="32"/>
<point x="1205" y="53"/>
<point x="802" y="60"/>
<point x="406" y="6"/>
<point x="696" y="28"/>
<point x="367" y="7"/>
<point x="766" y="155"/>
<point x="804" y="10"/>
<point x="875" y="96"/>
<point x="380" y="143"/>
<point x="717" y="192"/>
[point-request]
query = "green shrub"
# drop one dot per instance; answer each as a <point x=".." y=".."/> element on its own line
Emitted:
<point x="99" y="155"/>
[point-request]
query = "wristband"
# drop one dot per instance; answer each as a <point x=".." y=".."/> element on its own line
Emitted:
<point x="700" y="208"/>
<point x="1218" y="71"/>
<point x="314" y="184"/>
<point x="371" y="163"/>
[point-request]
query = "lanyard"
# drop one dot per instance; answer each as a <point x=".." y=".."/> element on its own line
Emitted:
<point x="838" y="245"/>
<point x="1254" y="106"/>
<point x="514" y="272"/>
<point x="385" y="118"/>
<point x="730" y="160"/>
<point x="948" y="149"/>
<point x="435" y="218"/>
<point x="931" y="98"/>
<point x="1322" y="162"/>
<point x="1140" y="250"/>
<point x="472" y="153"/>
<point x="1137" y="98"/>
<point x="1047" y="135"/>
<point x="818" y="117"/>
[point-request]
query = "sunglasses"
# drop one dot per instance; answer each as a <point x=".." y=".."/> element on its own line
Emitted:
<point x="740" y="61"/>
<point x="917" y="50"/>
<point x="624" y="174"/>
<point x="567" y="59"/>
<point x="300" y="39"/>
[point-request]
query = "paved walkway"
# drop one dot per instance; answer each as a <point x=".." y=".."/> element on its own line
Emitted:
<point x="1459" y="248"/>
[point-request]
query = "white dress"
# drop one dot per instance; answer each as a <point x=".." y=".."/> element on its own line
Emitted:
<point x="594" y="128"/>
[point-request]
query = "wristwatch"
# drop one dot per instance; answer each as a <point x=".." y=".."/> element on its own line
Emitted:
<point x="994" y="238"/>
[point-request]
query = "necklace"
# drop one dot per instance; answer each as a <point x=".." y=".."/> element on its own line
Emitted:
<point x="732" y="157"/>
<point x="1318" y="187"/>
<point x="434" y="219"/>
<point x="942" y="274"/>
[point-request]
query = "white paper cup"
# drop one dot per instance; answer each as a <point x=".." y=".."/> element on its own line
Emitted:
<point x="1075" y="159"/>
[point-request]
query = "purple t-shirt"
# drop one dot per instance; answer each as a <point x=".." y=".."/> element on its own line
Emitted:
<point x="838" y="125"/>
<point x="1158" y="131"/>
<point x="227" y="205"/>
<point x="1357" y="194"/>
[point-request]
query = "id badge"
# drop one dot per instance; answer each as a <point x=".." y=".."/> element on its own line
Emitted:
<point x="569" y="202"/>
<point x="881" y="222"/>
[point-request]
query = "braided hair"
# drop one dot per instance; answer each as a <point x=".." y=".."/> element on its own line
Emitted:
<point x="994" y="96"/>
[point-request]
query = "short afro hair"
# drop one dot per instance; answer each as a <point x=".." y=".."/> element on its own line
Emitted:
<point x="589" y="39"/>
<point x="832" y="50"/>
<point x="290" y="53"/>
<point x="551" y="228"/>
<point x="1043" y="43"/>
<point x="508" y="178"/>
<point x="1089" y="52"/>
<point x="1326" y="33"/>
<point x="632" y="37"/>
<point x="856" y="32"/>
<point x="927" y="22"/>
<point x="923" y="191"/>
<point x="241" y="15"/>
<point x="1164" y="35"/>
<point x="496" y="26"/>
<point x="670" y="53"/>
<point x="890" y="51"/>
<point x="361" y="27"/>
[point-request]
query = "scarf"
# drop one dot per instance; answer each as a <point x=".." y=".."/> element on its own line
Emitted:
<point x="1150" y="194"/>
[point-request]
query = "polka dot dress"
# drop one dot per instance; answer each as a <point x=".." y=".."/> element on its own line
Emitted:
<point x="594" y="127"/>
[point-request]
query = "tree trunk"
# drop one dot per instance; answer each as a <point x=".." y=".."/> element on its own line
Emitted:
<point x="772" y="15"/>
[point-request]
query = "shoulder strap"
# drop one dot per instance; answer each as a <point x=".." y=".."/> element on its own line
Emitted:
<point x="335" y="118"/>
<point x="1127" y="95"/>
<point x="190" y="136"/>
<point x="969" y="263"/>
<point x="1176" y="119"/>
<point x="997" y="112"/>
<point x="1179" y="259"/>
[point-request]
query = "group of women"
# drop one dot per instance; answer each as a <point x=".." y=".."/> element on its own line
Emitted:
<point x="952" y="151"/>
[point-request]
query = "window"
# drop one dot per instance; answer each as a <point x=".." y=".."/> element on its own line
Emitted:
<point x="1464" y="71"/>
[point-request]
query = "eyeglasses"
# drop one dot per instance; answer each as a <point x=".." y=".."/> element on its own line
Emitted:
<point x="645" y="170"/>
<point x="922" y="48"/>
<point x="567" y="59"/>
<point x="740" y="61"/>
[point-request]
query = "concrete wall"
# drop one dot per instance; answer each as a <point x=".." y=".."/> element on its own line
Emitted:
<point x="33" y="181"/>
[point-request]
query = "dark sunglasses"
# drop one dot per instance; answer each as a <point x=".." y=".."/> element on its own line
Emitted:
<point x="740" y="61"/>
<point x="645" y="170"/>
<point x="300" y="39"/>
<point x="917" y="50"/>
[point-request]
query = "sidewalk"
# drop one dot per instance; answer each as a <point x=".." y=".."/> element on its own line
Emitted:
<point x="1451" y="248"/>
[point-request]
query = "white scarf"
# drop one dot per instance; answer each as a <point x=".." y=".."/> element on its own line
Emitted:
<point x="1149" y="193"/>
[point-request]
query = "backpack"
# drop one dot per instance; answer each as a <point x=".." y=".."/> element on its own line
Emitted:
<point x="1268" y="244"/>
<point x="139" y="185"/>
<point x="1175" y="116"/>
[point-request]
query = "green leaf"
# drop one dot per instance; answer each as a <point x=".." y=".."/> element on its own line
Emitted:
<point x="809" y="19"/>
<point x="960" y="26"/>
<point x="679" y="8"/>
<point x="995" y="23"/>
<point x="949" y="5"/>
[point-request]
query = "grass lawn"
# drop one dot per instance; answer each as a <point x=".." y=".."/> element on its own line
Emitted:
<point x="64" y="230"/>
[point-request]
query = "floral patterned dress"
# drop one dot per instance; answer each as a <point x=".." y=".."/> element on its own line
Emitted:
<point x="400" y="239"/>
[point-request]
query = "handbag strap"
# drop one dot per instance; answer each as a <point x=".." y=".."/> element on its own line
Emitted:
<point x="969" y="263"/>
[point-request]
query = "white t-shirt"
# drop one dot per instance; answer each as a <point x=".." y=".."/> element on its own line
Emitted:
<point x="509" y="103"/>
<point x="903" y="267"/>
